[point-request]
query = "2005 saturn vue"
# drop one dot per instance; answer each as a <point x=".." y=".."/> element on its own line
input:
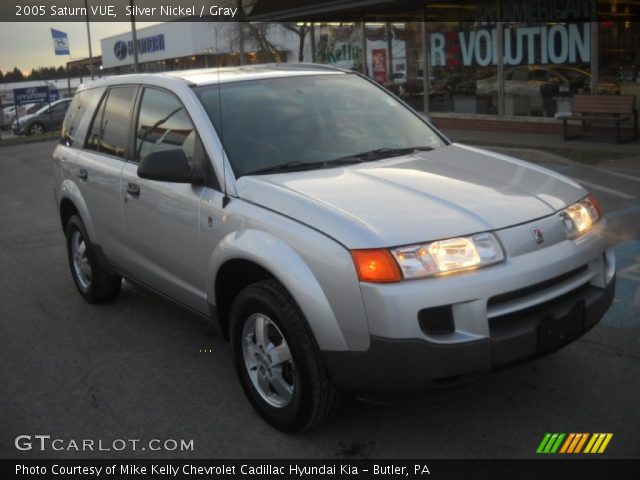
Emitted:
<point x="338" y="239"/>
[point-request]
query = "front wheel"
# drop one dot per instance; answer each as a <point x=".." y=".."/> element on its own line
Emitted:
<point x="277" y="359"/>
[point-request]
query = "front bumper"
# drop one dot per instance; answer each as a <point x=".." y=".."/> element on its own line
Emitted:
<point x="440" y="329"/>
<point x="414" y="364"/>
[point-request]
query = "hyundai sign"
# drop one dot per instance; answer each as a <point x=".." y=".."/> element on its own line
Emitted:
<point x="154" y="43"/>
<point x="23" y="96"/>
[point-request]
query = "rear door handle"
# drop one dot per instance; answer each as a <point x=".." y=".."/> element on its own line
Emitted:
<point x="133" y="189"/>
<point x="82" y="174"/>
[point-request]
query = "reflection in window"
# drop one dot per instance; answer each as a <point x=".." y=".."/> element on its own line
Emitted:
<point x="308" y="119"/>
<point x="618" y="41"/>
<point x="462" y="67"/>
<point x="110" y="130"/>
<point x="163" y="124"/>
<point x="77" y="109"/>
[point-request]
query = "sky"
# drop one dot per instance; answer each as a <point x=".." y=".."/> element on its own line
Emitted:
<point x="29" y="45"/>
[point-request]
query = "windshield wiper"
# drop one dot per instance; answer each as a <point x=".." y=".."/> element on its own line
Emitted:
<point x="368" y="156"/>
<point x="300" y="166"/>
<point x="386" y="152"/>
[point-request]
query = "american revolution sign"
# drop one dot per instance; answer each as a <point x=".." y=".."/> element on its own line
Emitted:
<point x="525" y="45"/>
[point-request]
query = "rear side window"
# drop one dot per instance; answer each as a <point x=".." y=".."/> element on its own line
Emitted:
<point x="109" y="132"/>
<point x="163" y="124"/>
<point x="75" y="114"/>
<point x="60" y="107"/>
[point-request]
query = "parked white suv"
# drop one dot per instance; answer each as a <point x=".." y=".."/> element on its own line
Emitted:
<point x="340" y="242"/>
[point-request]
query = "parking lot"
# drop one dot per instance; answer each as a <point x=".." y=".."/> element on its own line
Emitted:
<point x="141" y="368"/>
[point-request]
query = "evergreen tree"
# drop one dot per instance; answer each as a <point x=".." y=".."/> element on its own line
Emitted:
<point x="17" y="75"/>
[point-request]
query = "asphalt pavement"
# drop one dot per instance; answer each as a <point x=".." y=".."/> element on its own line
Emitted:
<point x="142" y="368"/>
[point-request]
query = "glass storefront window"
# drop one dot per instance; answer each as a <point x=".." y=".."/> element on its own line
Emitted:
<point x="618" y="52"/>
<point x="339" y="44"/>
<point x="462" y="60"/>
<point x="462" y="54"/>
<point x="545" y="64"/>
<point x="395" y="59"/>
<point x="452" y="47"/>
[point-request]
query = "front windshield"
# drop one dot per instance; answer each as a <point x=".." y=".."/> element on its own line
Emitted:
<point x="309" y="119"/>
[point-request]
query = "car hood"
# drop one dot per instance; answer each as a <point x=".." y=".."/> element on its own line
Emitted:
<point x="451" y="191"/>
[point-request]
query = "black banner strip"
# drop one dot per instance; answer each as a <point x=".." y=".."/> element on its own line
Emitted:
<point x="556" y="468"/>
<point x="296" y="10"/>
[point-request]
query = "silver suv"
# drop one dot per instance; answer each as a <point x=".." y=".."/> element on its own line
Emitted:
<point x="339" y="241"/>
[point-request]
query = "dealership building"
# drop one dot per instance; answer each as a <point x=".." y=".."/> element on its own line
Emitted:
<point x="483" y="64"/>
<point x="184" y="45"/>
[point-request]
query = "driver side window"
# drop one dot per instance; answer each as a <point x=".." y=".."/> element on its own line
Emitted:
<point x="163" y="123"/>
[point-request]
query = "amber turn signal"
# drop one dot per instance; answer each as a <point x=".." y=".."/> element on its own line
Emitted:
<point x="376" y="266"/>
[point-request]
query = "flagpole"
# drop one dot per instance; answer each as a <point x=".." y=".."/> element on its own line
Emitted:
<point x="134" y="37"/>
<point x="68" y="79"/>
<point x="86" y="9"/>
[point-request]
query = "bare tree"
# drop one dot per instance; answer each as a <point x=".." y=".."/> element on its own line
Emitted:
<point x="258" y="33"/>
<point x="301" y="30"/>
<point x="255" y="35"/>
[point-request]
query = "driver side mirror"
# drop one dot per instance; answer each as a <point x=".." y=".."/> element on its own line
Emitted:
<point x="170" y="165"/>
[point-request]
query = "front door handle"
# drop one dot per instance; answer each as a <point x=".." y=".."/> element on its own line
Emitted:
<point x="82" y="174"/>
<point x="133" y="189"/>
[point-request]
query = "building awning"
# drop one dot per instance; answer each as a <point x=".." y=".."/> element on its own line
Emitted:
<point x="327" y="10"/>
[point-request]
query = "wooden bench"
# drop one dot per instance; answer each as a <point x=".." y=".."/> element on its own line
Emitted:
<point x="605" y="109"/>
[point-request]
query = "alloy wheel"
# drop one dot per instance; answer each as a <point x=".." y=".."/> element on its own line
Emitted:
<point x="268" y="360"/>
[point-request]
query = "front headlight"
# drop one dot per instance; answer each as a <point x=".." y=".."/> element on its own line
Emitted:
<point x="580" y="216"/>
<point x="447" y="256"/>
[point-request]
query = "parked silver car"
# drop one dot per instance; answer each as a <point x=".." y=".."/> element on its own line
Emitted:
<point x="47" y="118"/>
<point x="340" y="242"/>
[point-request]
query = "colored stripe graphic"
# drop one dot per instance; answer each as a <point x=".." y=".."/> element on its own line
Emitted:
<point x="553" y="443"/>
<point x="556" y="445"/>
<point x="550" y="443"/>
<point x="567" y="443"/>
<point x="581" y="443"/>
<point x="544" y="441"/>
<point x="598" y="442"/>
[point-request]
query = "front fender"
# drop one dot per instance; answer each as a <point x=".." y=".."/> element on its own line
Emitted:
<point x="289" y="268"/>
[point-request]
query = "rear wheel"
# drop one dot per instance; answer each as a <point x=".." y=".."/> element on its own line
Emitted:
<point x="277" y="360"/>
<point x="93" y="281"/>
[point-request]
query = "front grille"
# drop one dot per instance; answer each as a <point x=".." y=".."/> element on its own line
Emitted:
<point x="535" y="312"/>
<point x="533" y="289"/>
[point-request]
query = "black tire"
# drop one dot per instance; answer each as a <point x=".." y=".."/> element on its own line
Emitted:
<point x="102" y="285"/>
<point x="314" y="400"/>
<point x="36" y="129"/>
